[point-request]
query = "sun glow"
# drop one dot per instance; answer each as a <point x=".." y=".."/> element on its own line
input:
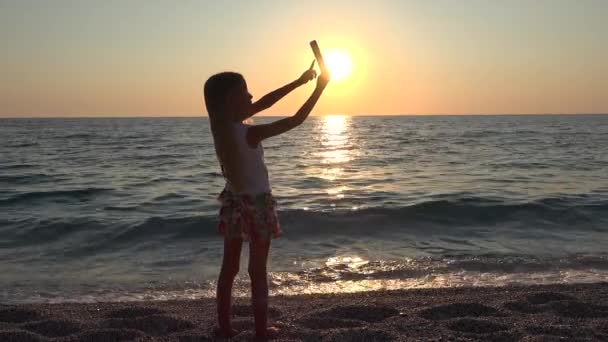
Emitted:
<point x="339" y="63"/>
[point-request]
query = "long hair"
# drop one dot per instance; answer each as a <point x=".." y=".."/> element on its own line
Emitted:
<point x="216" y="90"/>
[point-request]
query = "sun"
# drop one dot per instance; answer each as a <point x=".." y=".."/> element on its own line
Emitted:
<point x="339" y="63"/>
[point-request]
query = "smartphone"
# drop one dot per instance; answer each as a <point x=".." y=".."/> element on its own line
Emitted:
<point x="318" y="56"/>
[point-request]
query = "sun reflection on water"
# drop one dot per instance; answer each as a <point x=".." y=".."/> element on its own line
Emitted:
<point x="346" y="261"/>
<point x="335" y="149"/>
<point x="352" y="273"/>
<point x="335" y="140"/>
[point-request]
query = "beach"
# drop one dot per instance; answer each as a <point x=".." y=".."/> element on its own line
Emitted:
<point x="576" y="312"/>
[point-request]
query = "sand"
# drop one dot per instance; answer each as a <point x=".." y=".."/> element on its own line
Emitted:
<point x="530" y="313"/>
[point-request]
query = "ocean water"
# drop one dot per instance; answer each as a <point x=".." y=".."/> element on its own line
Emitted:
<point x="125" y="209"/>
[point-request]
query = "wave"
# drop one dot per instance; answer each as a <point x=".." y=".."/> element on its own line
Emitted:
<point x="482" y="133"/>
<point x="38" y="233"/>
<point x="465" y="212"/>
<point x="22" y="144"/>
<point x="174" y="157"/>
<point x="36" y="178"/>
<point x="32" y="232"/>
<point x="354" y="268"/>
<point x="493" y="262"/>
<point x="45" y="195"/>
<point x="213" y="174"/>
<point x="336" y="275"/>
<point x="18" y="166"/>
<point x="178" y="228"/>
<point x="154" y="229"/>
<point x="463" y="217"/>
<point x="155" y="180"/>
<point x="79" y="136"/>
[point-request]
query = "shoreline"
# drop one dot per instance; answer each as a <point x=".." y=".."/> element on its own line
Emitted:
<point x="573" y="312"/>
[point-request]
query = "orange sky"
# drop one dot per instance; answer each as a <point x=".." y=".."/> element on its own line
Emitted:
<point x="149" y="58"/>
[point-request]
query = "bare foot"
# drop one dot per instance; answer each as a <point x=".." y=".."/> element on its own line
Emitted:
<point x="218" y="332"/>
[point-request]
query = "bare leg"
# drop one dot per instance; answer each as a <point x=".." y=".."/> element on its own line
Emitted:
<point x="230" y="268"/>
<point x="258" y="256"/>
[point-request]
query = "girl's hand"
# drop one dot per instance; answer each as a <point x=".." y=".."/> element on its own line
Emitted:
<point x="322" y="81"/>
<point x="308" y="75"/>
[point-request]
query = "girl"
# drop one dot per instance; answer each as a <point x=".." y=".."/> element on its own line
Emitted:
<point x="247" y="206"/>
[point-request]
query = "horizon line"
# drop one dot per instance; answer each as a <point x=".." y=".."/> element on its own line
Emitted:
<point x="279" y="115"/>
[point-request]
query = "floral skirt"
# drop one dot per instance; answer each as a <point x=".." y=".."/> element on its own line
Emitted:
<point x="248" y="217"/>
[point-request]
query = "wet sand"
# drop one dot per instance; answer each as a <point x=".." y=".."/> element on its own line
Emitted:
<point x="523" y="313"/>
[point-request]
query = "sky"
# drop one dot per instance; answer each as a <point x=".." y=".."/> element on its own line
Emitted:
<point x="151" y="58"/>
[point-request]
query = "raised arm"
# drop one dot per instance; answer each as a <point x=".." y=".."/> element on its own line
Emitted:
<point x="257" y="133"/>
<point x="273" y="97"/>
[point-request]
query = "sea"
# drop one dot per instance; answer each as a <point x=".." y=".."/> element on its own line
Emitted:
<point x="125" y="209"/>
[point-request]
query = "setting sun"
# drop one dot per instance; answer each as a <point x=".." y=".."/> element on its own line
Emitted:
<point x="339" y="63"/>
